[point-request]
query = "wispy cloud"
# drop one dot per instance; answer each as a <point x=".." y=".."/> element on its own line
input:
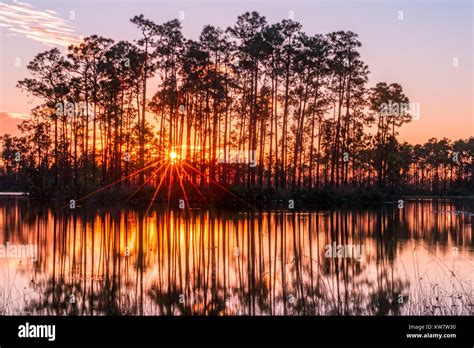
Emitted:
<point x="16" y="115"/>
<point x="10" y="122"/>
<point x="43" y="26"/>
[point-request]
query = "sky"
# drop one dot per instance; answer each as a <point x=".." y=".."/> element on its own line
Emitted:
<point x="426" y="46"/>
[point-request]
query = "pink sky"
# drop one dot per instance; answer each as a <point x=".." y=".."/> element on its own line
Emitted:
<point x="417" y="51"/>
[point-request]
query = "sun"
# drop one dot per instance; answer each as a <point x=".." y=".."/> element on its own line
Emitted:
<point x="173" y="155"/>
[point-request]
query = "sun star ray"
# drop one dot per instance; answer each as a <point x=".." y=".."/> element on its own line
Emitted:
<point x="158" y="188"/>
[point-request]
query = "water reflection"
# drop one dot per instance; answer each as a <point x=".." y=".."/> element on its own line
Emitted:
<point x="96" y="261"/>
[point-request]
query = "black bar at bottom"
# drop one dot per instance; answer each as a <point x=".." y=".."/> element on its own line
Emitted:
<point x="291" y="331"/>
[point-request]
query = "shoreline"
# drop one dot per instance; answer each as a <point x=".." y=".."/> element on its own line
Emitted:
<point x="281" y="201"/>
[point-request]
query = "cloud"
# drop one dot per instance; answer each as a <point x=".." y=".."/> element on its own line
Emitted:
<point x="16" y="115"/>
<point x="43" y="26"/>
<point x="9" y="122"/>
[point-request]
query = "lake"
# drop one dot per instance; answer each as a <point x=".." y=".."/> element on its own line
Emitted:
<point x="356" y="260"/>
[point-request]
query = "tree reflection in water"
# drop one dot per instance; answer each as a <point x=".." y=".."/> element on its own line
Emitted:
<point x="417" y="260"/>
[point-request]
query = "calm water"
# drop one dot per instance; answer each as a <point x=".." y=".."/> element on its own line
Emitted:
<point x="96" y="261"/>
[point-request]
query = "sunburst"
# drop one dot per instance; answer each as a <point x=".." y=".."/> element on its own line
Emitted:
<point x="168" y="166"/>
